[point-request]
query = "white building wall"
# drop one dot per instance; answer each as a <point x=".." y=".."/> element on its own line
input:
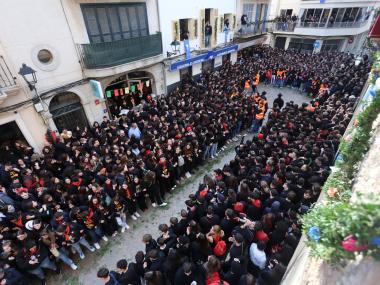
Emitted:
<point x="39" y="24"/>
<point x="170" y="10"/>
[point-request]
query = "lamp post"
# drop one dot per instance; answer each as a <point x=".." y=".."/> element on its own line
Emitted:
<point x="175" y="48"/>
<point x="29" y="75"/>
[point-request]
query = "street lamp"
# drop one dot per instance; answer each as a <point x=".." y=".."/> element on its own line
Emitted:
<point x="175" y="45"/>
<point x="29" y="75"/>
<point x="175" y="48"/>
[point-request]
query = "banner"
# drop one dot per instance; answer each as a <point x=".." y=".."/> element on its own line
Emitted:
<point x="97" y="89"/>
<point x="201" y="58"/>
<point x="186" y="44"/>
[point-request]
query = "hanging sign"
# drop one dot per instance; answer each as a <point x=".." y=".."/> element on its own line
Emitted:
<point x="97" y="89"/>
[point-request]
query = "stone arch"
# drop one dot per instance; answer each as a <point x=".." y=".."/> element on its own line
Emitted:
<point x="67" y="111"/>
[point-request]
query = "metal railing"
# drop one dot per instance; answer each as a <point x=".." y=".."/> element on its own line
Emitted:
<point x="284" y="26"/>
<point x="6" y="77"/>
<point x="336" y="25"/>
<point x="102" y="55"/>
<point x="254" y="28"/>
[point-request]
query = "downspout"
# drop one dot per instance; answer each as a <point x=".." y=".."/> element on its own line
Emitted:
<point x="158" y="16"/>
<point x="162" y="63"/>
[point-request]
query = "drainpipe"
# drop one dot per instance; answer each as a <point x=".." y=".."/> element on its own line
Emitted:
<point x="164" y="74"/>
<point x="158" y="16"/>
<point x="162" y="63"/>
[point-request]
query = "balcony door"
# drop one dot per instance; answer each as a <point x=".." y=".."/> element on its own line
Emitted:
<point x="113" y="22"/>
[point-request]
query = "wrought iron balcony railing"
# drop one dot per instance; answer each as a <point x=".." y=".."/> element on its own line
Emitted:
<point x="6" y="77"/>
<point x="102" y="55"/>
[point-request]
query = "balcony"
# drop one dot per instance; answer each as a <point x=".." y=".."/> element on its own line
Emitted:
<point x="7" y="80"/>
<point x="254" y="29"/>
<point x="321" y="29"/>
<point x="8" y="83"/>
<point x="111" y="54"/>
<point x="336" y="25"/>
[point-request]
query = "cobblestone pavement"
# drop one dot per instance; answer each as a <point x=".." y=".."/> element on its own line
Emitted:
<point x="127" y="244"/>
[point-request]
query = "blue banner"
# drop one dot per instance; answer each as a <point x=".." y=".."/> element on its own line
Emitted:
<point x="186" y="44"/>
<point x="201" y="58"/>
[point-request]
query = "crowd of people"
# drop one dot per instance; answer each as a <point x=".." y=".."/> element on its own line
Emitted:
<point x="285" y="22"/>
<point x="240" y="227"/>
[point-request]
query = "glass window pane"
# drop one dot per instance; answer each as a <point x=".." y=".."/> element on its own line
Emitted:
<point x="124" y="19"/>
<point x="107" y="38"/>
<point x="346" y="16"/>
<point x="141" y="17"/>
<point x="317" y="14"/>
<point x="354" y="13"/>
<point x="132" y="15"/>
<point x="116" y="37"/>
<point x="325" y="15"/>
<point x="144" y="32"/>
<point x="95" y="39"/>
<point x="114" y="19"/>
<point x="114" y="22"/>
<point x="103" y="21"/>
<point x="339" y="16"/>
<point x="248" y="10"/>
<point x="90" y="18"/>
<point x="361" y="14"/>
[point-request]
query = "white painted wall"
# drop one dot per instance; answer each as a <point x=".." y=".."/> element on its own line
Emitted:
<point x="170" y="10"/>
<point x="172" y="77"/>
<point x="28" y="26"/>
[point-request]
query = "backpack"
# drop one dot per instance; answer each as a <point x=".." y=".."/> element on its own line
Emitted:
<point x="239" y="207"/>
<point x="114" y="279"/>
<point x="220" y="248"/>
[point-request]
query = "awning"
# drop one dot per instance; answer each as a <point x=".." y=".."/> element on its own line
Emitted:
<point x="375" y="30"/>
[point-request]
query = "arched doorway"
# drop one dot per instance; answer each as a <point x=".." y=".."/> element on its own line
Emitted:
<point x="127" y="91"/>
<point x="67" y="111"/>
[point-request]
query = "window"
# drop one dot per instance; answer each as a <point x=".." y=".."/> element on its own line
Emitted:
<point x="113" y="22"/>
<point x="248" y="10"/>
<point x="324" y="17"/>
<point x="286" y="12"/>
<point x="45" y="56"/>
<point x="184" y="28"/>
<point x="186" y="73"/>
<point x="331" y="45"/>
<point x="301" y="44"/>
<point x="208" y="66"/>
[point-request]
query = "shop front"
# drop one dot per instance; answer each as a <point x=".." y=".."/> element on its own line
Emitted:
<point x="127" y="91"/>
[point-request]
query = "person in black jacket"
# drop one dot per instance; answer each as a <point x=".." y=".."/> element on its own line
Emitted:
<point x="189" y="273"/>
<point x="127" y="273"/>
<point x="10" y="276"/>
<point x="279" y="101"/>
<point x="154" y="262"/>
<point x="33" y="258"/>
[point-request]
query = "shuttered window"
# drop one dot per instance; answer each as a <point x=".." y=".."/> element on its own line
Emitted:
<point x="113" y="22"/>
